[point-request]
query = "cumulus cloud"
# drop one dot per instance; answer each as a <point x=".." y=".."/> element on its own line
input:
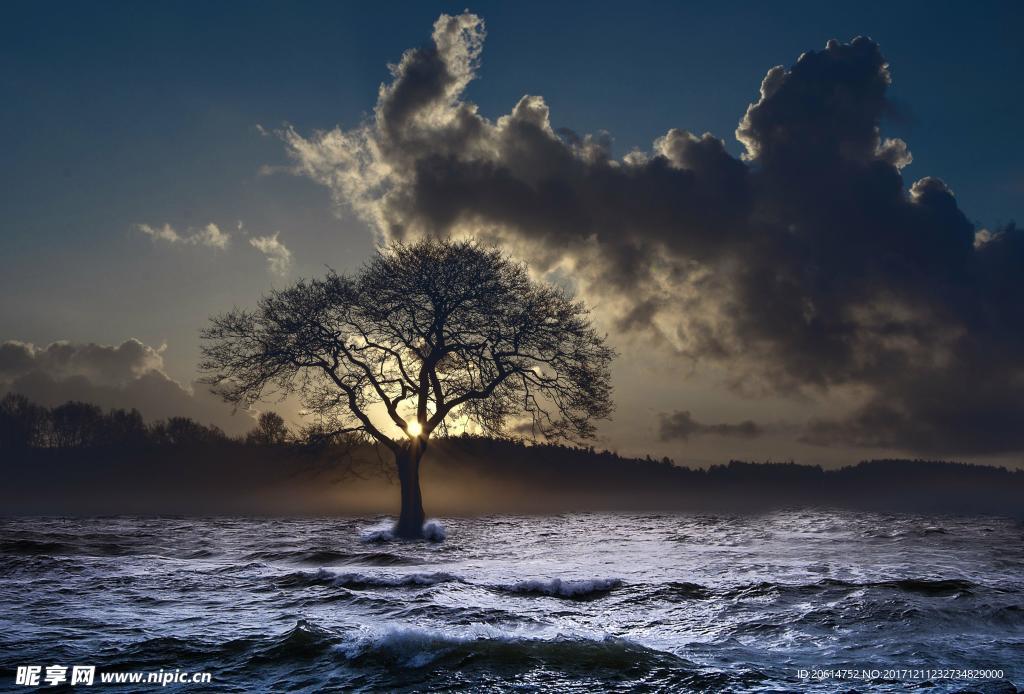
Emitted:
<point x="681" y="425"/>
<point x="806" y="264"/>
<point x="129" y="375"/>
<point x="107" y="364"/>
<point x="279" y="258"/>
<point x="210" y="235"/>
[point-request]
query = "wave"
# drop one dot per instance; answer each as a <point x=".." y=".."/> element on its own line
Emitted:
<point x="168" y="648"/>
<point x="433" y="531"/>
<point x="581" y="589"/>
<point x="405" y="657"/>
<point x="358" y="581"/>
<point x="905" y="533"/>
<point x="936" y="588"/>
<point x="239" y="568"/>
<point x="33" y="548"/>
<point x="482" y="644"/>
<point x="311" y="557"/>
<point x="41" y="565"/>
<point x="301" y="641"/>
<point x="382" y="533"/>
<point x="682" y="591"/>
<point x="921" y="586"/>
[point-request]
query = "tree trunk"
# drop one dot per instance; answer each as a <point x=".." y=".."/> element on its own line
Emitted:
<point x="410" y="521"/>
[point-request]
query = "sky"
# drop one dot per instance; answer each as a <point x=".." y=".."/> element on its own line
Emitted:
<point x="788" y="294"/>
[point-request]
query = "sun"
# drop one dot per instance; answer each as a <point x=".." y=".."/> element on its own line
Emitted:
<point x="414" y="428"/>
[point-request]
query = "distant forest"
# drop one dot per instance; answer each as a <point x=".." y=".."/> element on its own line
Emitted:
<point x="76" y="458"/>
<point x="24" y="424"/>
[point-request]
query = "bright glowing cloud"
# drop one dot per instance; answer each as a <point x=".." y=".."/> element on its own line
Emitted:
<point x="279" y="258"/>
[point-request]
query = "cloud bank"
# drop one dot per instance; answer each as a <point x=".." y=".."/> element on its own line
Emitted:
<point x="681" y="426"/>
<point x="806" y="265"/>
<point x="129" y="375"/>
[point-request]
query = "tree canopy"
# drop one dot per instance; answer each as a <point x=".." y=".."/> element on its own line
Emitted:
<point x="436" y="332"/>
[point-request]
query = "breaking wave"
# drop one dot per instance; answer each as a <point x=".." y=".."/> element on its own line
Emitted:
<point x="433" y="531"/>
<point x="562" y="588"/>
<point x="380" y="533"/>
<point x="417" y="647"/>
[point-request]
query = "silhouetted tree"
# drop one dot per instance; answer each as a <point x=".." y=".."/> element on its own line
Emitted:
<point x="429" y="333"/>
<point x="22" y="424"/>
<point x="123" y="428"/>
<point x="183" y="431"/>
<point x="75" y="425"/>
<point x="270" y="430"/>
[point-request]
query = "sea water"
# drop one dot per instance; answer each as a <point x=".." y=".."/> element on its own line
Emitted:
<point x="799" y="600"/>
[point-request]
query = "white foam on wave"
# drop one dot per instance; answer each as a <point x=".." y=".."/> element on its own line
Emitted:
<point x="415" y="646"/>
<point x="379" y="533"/>
<point x="412" y="646"/>
<point x="562" y="588"/>
<point x="434" y="531"/>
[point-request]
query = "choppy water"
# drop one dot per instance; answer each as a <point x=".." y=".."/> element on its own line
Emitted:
<point x="570" y="603"/>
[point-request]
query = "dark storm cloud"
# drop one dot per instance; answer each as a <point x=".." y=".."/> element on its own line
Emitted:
<point x="681" y="425"/>
<point x="807" y="263"/>
<point x="129" y="375"/>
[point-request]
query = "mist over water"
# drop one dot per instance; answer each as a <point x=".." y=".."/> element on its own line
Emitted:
<point x="578" y="602"/>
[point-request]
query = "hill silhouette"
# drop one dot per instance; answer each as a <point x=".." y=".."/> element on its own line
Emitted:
<point x="76" y="459"/>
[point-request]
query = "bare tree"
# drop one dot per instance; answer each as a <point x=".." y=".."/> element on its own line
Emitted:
<point x="23" y="424"/>
<point x="427" y="337"/>
<point x="270" y="430"/>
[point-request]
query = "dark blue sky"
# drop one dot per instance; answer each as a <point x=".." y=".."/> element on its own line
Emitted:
<point x="116" y="114"/>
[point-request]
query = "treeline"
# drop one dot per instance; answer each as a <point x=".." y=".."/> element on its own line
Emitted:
<point x="24" y="425"/>
<point x="559" y="460"/>
<point x="549" y="476"/>
<point x="77" y="458"/>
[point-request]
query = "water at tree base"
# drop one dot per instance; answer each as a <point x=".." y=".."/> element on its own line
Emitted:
<point x="582" y="602"/>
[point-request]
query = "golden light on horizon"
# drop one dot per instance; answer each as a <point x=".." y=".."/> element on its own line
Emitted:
<point x="414" y="428"/>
